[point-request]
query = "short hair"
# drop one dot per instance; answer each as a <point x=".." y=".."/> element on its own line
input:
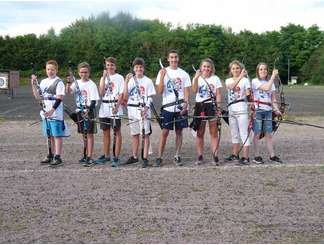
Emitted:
<point x="84" y="65"/>
<point x="111" y="60"/>
<point x="257" y="70"/>
<point x="52" y="62"/>
<point x="139" y="61"/>
<point x="211" y="62"/>
<point x="235" y="62"/>
<point x="171" y="51"/>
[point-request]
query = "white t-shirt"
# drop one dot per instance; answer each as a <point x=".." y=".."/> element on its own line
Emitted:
<point x="203" y="92"/>
<point x="263" y="96"/>
<point x="146" y="88"/>
<point x="112" y="93"/>
<point x="88" y="91"/>
<point x="49" y="99"/>
<point x="238" y="93"/>
<point x="180" y="79"/>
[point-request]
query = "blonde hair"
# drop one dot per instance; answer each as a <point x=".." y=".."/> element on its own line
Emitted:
<point x="234" y="62"/>
<point x="211" y="62"/>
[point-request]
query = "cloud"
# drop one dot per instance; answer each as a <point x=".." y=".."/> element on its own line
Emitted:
<point x="21" y="17"/>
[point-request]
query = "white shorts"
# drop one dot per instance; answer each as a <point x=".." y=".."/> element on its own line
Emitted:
<point x="136" y="123"/>
<point x="239" y="128"/>
<point x="136" y="126"/>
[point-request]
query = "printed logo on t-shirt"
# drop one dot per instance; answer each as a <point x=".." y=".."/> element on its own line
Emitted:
<point x="110" y="88"/>
<point x="134" y="91"/>
<point x="83" y="98"/>
<point x="174" y="84"/>
<point x="204" y="90"/>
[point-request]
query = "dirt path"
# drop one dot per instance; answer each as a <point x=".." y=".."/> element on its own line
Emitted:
<point x="190" y="204"/>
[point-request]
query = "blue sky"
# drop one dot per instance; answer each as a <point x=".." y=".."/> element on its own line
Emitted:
<point x="22" y="17"/>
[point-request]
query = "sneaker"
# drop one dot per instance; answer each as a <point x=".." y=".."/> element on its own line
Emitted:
<point x="258" y="160"/>
<point x="276" y="159"/>
<point x="232" y="158"/>
<point x="244" y="161"/>
<point x="89" y="163"/>
<point x="115" y="162"/>
<point x="131" y="160"/>
<point x="47" y="160"/>
<point x="216" y="160"/>
<point x="158" y="162"/>
<point x="82" y="160"/>
<point x="200" y="160"/>
<point x="102" y="160"/>
<point x="145" y="163"/>
<point x="57" y="162"/>
<point x="177" y="160"/>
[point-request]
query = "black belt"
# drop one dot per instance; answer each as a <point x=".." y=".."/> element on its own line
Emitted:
<point x="172" y="104"/>
<point x="136" y="105"/>
<point x="236" y="101"/>
<point x="109" y="101"/>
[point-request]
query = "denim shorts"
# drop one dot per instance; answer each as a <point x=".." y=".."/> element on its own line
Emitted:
<point x="173" y="118"/>
<point x="262" y="122"/>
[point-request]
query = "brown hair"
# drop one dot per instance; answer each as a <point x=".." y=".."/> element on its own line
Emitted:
<point x="111" y="60"/>
<point x="257" y="70"/>
<point x="139" y="61"/>
<point x="234" y="62"/>
<point x="84" y="65"/>
<point x="52" y="62"/>
<point x="211" y="62"/>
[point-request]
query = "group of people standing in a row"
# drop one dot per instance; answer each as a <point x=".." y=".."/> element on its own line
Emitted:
<point x="136" y="92"/>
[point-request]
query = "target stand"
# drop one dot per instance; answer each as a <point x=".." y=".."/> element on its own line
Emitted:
<point x="9" y="82"/>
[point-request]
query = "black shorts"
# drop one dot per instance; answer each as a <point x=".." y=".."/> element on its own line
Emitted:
<point x="88" y="126"/>
<point x="106" y="123"/>
<point x="202" y="110"/>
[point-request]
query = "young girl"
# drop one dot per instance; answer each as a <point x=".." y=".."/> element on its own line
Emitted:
<point x="86" y="94"/>
<point x="51" y="91"/>
<point x="239" y="90"/>
<point x="264" y="102"/>
<point x="111" y="89"/>
<point x="138" y="92"/>
<point x="207" y="86"/>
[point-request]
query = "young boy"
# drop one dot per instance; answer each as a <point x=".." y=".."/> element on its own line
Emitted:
<point x="111" y="90"/>
<point x="174" y="84"/>
<point x="86" y="95"/>
<point x="51" y="91"/>
<point x="138" y="94"/>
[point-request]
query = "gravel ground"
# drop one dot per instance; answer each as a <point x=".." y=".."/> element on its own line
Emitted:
<point x="206" y="204"/>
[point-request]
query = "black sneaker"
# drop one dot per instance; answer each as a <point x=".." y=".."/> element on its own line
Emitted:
<point x="47" y="160"/>
<point x="232" y="158"/>
<point x="200" y="160"/>
<point x="131" y="160"/>
<point x="82" y="160"/>
<point x="89" y="163"/>
<point x="276" y="159"/>
<point x="57" y="162"/>
<point x="216" y="160"/>
<point x="145" y="163"/>
<point x="244" y="161"/>
<point x="158" y="162"/>
<point x="258" y="160"/>
<point x="177" y="160"/>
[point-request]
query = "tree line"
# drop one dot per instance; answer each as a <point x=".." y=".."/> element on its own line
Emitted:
<point x="126" y="37"/>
